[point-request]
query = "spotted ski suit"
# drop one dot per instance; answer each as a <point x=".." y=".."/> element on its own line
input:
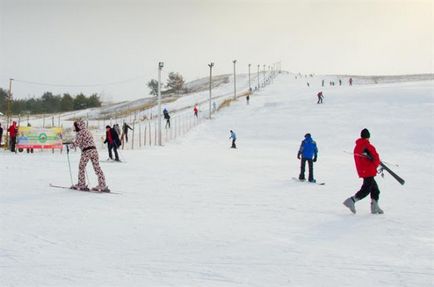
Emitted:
<point x="84" y="141"/>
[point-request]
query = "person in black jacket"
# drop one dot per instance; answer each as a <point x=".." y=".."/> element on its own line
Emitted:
<point x="125" y="128"/>
<point x="112" y="141"/>
<point x="167" y="117"/>
<point x="1" y="134"/>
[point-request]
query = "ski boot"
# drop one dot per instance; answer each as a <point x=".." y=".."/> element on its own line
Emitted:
<point x="375" y="209"/>
<point x="312" y="180"/>
<point x="101" y="189"/>
<point x="80" y="187"/>
<point x="349" y="202"/>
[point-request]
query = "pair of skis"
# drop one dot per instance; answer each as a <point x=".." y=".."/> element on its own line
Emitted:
<point x="82" y="190"/>
<point x="383" y="167"/>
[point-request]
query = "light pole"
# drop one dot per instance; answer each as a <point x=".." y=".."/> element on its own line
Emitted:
<point x="250" y="87"/>
<point x="8" y="113"/>
<point x="258" y="79"/>
<point x="210" y="65"/>
<point x="160" y="67"/>
<point x="235" y="80"/>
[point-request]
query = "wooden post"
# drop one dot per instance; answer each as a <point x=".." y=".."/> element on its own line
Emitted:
<point x="140" y="136"/>
<point x="132" y="138"/>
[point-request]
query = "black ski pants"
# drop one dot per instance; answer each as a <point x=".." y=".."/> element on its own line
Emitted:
<point x="12" y="142"/>
<point x="233" y="144"/>
<point x="303" y="168"/>
<point x="369" y="187"/>
<point x="113" y="147"/>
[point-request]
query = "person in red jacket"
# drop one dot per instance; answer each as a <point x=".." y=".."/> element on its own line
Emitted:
<point x="367" y="161"/>
<point x="13" y="131"/>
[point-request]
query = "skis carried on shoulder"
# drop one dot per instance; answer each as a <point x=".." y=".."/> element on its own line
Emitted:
<point x="394" y="175"/>
<point x="82" y="190"/>
<point x="308" y="182"/>
<point x="383" y="167"/>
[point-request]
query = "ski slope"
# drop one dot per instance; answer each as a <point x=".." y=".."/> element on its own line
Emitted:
<point x="197" y="213"/>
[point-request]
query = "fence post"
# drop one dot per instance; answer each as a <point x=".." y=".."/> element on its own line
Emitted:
<point x="132" y="140"/>
<point x="140" y="135"/>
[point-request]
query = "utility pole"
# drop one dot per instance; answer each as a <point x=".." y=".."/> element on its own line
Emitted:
<point x="210" y="65"/>
<point x="9" y="112"/>
<point x="250" y="87"/>
<point x="160" y="67"/>
<point x="258" y="79"/>
<point x="235" y="80"/>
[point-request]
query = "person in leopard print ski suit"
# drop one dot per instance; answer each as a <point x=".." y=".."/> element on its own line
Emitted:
<point x="85" y="142"/>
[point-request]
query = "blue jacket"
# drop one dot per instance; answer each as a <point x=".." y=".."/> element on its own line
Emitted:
<point x="308" y="148"/>
<point x="233" y="136"/>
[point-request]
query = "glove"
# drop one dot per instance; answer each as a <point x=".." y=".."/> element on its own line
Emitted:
<point x="299" y="156"/>
<point x="314" y="159"/>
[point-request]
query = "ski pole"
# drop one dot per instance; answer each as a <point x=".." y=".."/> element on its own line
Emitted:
<point x="69" y="164"/>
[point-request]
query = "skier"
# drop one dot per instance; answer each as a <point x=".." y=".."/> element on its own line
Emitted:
<point x="308" y="152"/>
<point x="1" y="134"/>
<point x="248" y="98"/>
<point x="112" y="141"/>
<point x="367" y="160"/>
<point x="117" y="129"/>
<point x="350" y="81"/>
<point x="340" y="82"/>
<point x="320" y="97"/>
<point x="322" y="83"/>
<point x="195" y="110"/>
<point x="234" y="138"/>
<point x="167" y="117"/>
<point x="13" y="131"/>
<point x="308" y="84"/>
<point x="85" y="142"/>
<point x="125" y="128"/>
<point x="214" y="107"/>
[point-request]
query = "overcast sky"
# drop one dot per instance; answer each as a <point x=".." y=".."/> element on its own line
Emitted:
<point x="84" y="43"/>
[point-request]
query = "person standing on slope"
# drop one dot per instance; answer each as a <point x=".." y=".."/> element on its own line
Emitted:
<point x="320" y="97"/>
<point x="367" y="161"/>
<point x="308" y="152"/>
<point x="125" y="128"/>
<point x="196" y="110"/>
<point x="13" y="131"/>
<point x="234" y="138"/>
<point x="167" y="117"/>
<point x="85" y="142"/>
<point x="1" y="134"/>
<point x="112" y="141"/>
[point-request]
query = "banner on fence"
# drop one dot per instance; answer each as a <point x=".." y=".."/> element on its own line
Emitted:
<point x="39" y="138"/>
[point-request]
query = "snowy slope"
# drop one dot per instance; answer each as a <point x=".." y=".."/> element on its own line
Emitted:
<point x="196" y="213"/>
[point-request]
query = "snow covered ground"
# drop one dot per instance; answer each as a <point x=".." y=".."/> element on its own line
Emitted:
<point x="197" y="213"/>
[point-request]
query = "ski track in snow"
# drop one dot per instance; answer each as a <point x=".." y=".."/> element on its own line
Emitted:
<point x="197" y="213"/>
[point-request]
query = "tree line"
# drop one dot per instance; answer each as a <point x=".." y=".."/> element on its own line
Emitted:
<point x="49" y="103"/>
<point x="175" y="83"/>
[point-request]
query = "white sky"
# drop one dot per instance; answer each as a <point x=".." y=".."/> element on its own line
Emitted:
<point x="95" y="41"/>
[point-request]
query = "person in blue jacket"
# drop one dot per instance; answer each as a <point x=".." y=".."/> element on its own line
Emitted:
<point x="234" y="138"/>
<point x="308" y="152"/>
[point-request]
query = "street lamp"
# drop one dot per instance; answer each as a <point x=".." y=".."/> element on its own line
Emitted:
<point x="250" y="87"/>
<point x="210" y="65"/>
<point x="160" y="67"/>
<point x="8" y="112"/>
<point x="235" y="80"/>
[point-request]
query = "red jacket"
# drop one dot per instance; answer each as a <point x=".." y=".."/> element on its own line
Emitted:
<point x="13" y="130"/>
<point x="365" y="166"/>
